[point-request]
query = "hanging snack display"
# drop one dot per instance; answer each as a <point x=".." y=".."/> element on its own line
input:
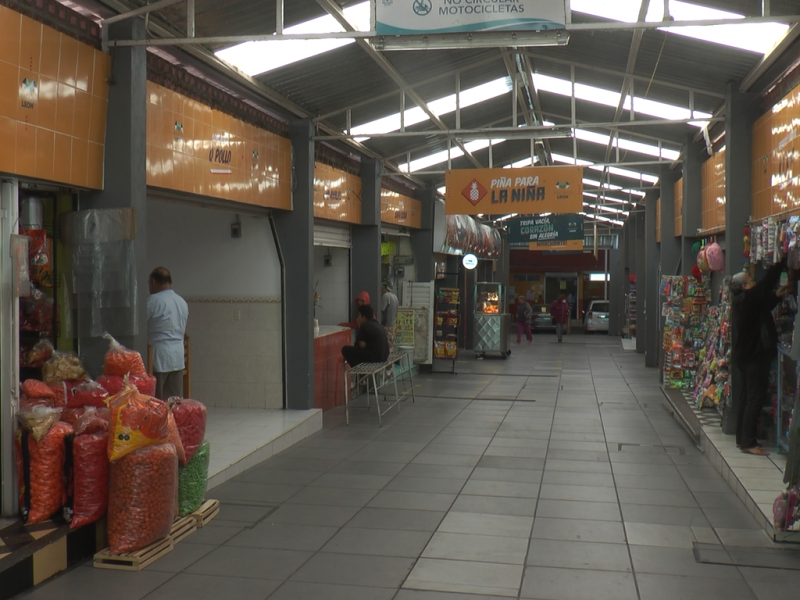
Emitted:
<point x="684" y="328"/>
<point x="712" y="381"/>
<point x="771" y="240"/>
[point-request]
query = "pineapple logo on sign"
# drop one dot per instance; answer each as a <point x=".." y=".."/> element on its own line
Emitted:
<point x="474" y="192"/>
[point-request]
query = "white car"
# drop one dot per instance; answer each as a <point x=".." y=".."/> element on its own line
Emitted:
<point x="596" y="317"/>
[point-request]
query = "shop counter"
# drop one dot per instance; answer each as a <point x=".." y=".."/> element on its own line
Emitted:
<point x="329" y="366"/>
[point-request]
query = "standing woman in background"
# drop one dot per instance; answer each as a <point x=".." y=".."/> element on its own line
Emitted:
<point x="560" y="312"/>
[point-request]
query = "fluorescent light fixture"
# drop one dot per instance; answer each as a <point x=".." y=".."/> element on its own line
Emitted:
<point x="599" y="277"/>
<point x="475" y="39"/>
<point x="521" y="164"/>
<point x="755" y="37"/>
<point x="562" y="158"/>
<point x="607" y="208"/>
<point x="439" y="107"/>
<point x="603" y="219"/>
<point x="255" y="58"/>
<point x="440" y="157"/>
<point x="511" y="216"/>
<point x="590" y="93"/>
<point x="606" y="198"/>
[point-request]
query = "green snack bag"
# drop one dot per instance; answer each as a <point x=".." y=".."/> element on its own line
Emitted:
<point x="192" y="480"/>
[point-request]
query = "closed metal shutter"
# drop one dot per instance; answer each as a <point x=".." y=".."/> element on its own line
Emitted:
<point x="332" y="235"/>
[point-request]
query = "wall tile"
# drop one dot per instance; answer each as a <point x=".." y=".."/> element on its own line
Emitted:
<point x="10" y="28"/>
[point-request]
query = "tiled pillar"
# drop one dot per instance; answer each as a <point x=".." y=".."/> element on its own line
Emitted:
<point x="693" y="157"/>
<point x="125" y="177"/>
<point x="365" y="257"/>
<point x="616" y="292"/>
<point x="739" y="120"/>
<point x="295" y="236"/>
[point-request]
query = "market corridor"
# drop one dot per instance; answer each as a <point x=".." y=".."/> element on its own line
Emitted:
<point x="554" y="475"/>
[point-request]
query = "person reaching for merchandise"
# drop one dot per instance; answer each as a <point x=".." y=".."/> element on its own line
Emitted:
<point x="754" y="346"/>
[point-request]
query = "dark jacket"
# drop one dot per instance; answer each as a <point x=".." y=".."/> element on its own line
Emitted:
<point x="524" y="312"/>
<point x="373" y="335"/>
<point x="560" y="311"/>
<point x="751" y="317"/>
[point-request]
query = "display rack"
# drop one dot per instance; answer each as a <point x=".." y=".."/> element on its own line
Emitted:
<point x="630" y="312"/>
<point x="446" y="322"/>
<point x="785" y="396"/>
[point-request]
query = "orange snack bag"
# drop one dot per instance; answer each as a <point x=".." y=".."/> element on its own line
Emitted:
<point x="136" y="421"/>
<point x="121" y="361"/>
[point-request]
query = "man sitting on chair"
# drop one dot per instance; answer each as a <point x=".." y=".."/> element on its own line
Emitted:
<point x="372" y="345"/>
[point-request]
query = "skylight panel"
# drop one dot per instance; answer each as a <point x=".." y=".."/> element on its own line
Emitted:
<point x="755" y="37"/>
<point x="440" y="157"/>
<point x="255" y="58"/>
<point x="649" y="150"/>
<point x="613" y="170"/>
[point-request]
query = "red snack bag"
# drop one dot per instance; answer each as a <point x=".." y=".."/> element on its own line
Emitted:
<point x="146" y="384"/>
<point x="121" y="361"/>
<point x="90" y="422"/>
<point x="142" y="497"/>
<point x="25" y="402"/>
<point x="40" y="472"/>
<point x="190" y="417"/>
<point x="114" y="384"/>
<point x="175" y="439"/>
<point x="60" y="394"/>
<point x="33" y="388"/>
<point x="71" y="415"/>
<point x="90" y="478"/>
<point x="136" y="421"/>
<point x="89" y="393"/>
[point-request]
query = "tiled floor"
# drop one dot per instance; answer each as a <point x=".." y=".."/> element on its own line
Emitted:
<point x="553" y="475"/>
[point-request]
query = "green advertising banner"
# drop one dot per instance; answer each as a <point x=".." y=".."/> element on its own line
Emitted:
<point x="524" y="231"/>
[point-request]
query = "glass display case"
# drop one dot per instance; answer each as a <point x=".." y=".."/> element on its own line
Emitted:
<point x="492" y="321"/>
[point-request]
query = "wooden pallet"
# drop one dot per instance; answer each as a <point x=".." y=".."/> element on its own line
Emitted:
<point x="207" y="511"/>
<point x="182" y="528"/>
<point x="134" y="561"/>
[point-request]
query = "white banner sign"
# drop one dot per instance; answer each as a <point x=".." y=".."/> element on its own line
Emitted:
<point x="414" y="17"/>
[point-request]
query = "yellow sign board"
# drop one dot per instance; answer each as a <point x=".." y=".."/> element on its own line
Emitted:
<point x="558" y="246"/>
<point x="532" y="190"/>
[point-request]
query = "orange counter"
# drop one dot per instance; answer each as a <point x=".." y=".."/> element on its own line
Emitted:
<point x="329" y="367"/>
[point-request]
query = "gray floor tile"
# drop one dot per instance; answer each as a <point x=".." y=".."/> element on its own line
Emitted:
<point x="478" y="548"/>
<point x="355" y="569"/>
<point x="506" y="462"/>
<point x="88" y="582"/>
<point x="501" y="488"/>
<point x="733" y="518"/>
<point x="578" y="530"/>
<point x="580" y="466"/>
<point x="425" y="484"/>
<point x="670" y="587"/>
<point x="412" y="500"/>
<point x="465" y="577"/>
<point x="260" y="563"/>
<point x="579" y="555"/>
<point x="664" y="515"/>
<point x="378" y="542"/>
<point x="351" y="480"/>
<point x="262" y="475"/>
<point x="333" y="496"/>
<point x="495" y="505"/>
<point x="715" y="500"/>
<point x="242" y="513"/>
<point x="209" y="587"/>
<point x="436" y="471"/>
<point x="547" y="583"/>
<point x="584" y="493"/>
<point x="265" y="493"/>
<point x="455" y="460"/>
<point x="182" y="557"/>
<point x="307" y="514"/>
<point x="657" y="497"/>
<point x="509" y="475"/>
<point x="569" y="509"/>
<point x="281" y="536"/>
<point x="298" y="590"/>
<point x="516" y="452"/>
<point x="214" y="534"/>
<point x="462" y="449"/>
<point x="650" y="482"/>
<point x="394" y="518"/>
<point x="361" y="467"/>
<point x="668" y="536"/>
<point x="483" y="524"/>
<point x="568" y="478"/>
<point x="300" y="464"/>
<point x="423" y="595"/>
<point x="677" y="561"/>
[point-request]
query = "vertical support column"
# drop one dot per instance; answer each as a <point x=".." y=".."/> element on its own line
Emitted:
<point x="670" y="245"/>
<point x="125" y="177"/>
<point x="692" y="201"/>
<point x="502" y="272"/>
<point x="616" y="297"/>
<point x="365" y="261"/>
<point x="295" y="234"/>
<point x="649" y="294"/>
<point x="422" y="239"/>
<point x="738" y="207"/>
<point x="641" y="281"/>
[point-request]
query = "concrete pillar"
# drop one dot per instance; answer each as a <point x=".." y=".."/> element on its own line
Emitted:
<point x="422" y="239"/>
<point x="649" y="295"/>
<point x="365" y="258"/>
<point x="502" y="272"/>
<point x="670" y="245"/>
<point x="641" y="281"/>
<point x="295" y="237"/>
<point x="616" y="292"/>
<point x="739" y="119"/>
<point x="693" y="156"/>
<point x="125" y="178"/>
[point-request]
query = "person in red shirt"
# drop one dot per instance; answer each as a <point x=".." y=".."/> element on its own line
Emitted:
<point x="560" y="312"/>
<point x="361" y="300"/>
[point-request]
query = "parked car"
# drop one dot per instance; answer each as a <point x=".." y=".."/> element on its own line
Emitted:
<point x="542" y="320"/>
<point x="596" y="317"/>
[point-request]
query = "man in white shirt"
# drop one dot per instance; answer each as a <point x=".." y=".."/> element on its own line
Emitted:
<point x="389" y="304"/>
<point x="166" y="326"/>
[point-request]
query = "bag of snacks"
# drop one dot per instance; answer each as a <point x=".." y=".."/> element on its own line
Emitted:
<point x="37" y="420"/>
<point x="59" y="393"/>
<point x="190" y="417"/>
<point x="71" y="415"/>
<point x="114" y="384"/>
<point x="37" y="389"/>
<point x="25" y="402"/>
<point x="64" y="366"/>
<point x="90" y="422"/>
<point x="121" y="361"/>
<point x="41" y="352"/>
<point x="142" y="497"/>
<point x="90" y="478"/>
<point x="136" y="421"/>
<point x="192" y="481"/>
<point x="40" y="472"/>
<point x="175" y="438"/>
<point x="88" y="393"/>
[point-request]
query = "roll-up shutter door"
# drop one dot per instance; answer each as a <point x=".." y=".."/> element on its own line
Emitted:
<point x="332" y="235"/>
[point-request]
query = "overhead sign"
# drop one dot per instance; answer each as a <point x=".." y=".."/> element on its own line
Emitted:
<point x="532" y="190"/>
<point x="558" y="246"/>
<point x="397" y="17"/>
<point x="523" y="231"/>
<point x="470" y="261"/>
